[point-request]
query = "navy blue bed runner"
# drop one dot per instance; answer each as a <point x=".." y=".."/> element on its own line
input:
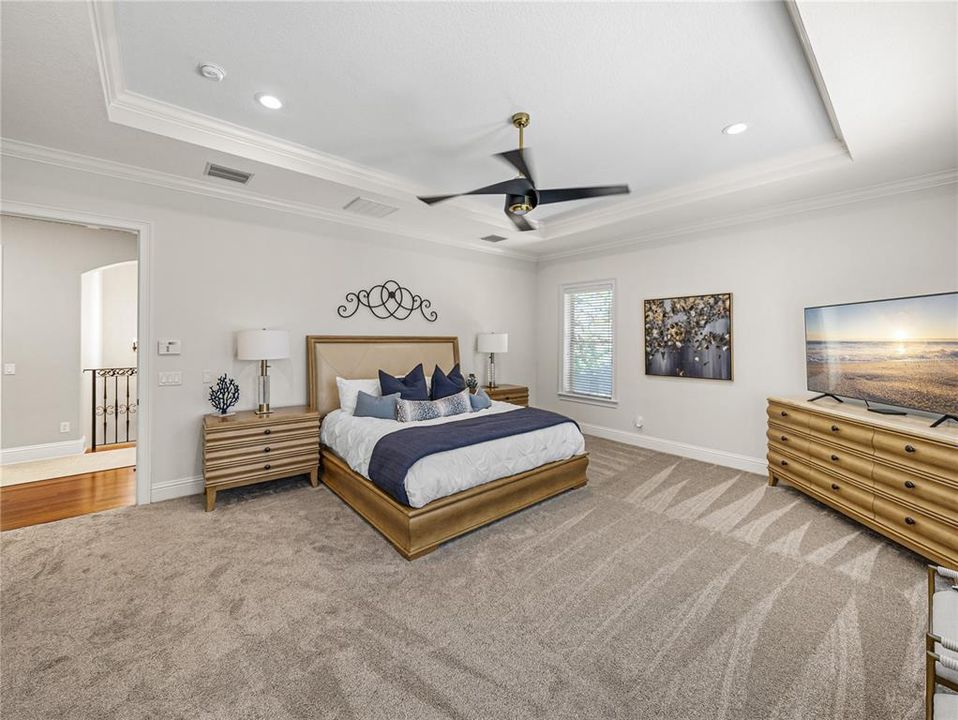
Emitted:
<point x="395" y="453"/>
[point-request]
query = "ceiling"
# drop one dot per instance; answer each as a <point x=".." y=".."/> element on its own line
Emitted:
<point x="387" y="100"/>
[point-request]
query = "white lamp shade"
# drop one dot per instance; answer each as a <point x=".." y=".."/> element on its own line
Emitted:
<point x="262" y="344"/>
<point x="492" y="342"/>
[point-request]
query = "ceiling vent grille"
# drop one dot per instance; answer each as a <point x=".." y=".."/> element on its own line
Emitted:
<point x="225" y="173"/>
<point x="370" y="208"/>
<point x="493" y="238"/>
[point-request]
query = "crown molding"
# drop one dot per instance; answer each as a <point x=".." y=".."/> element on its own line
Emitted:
<point x="132" y="173"/>
<point x="139" y="112"/>
<point x="793" y="207"/>
<point x="827" y="155"/>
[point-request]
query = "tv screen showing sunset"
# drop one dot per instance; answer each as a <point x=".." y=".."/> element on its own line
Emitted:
<point x="900" y="352"/>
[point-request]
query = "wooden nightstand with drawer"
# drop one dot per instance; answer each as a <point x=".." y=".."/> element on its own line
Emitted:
<point x="515" y="394"/>
<point x="247" y="448"/>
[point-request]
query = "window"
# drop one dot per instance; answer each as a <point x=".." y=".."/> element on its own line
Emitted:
<point x="588" y="340"/>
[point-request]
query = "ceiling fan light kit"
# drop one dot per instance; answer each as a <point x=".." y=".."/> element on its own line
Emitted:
<point x="522" y="196"/>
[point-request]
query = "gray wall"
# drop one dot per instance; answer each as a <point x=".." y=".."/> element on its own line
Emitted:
<point x="42" y="265"/>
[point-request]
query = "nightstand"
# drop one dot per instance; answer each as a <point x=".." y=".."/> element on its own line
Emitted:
<point x="515" y="394"/>
<point x="247" y="448"/>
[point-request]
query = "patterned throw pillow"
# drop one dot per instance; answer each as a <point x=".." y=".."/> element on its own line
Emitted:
<point x="413" y="410"/>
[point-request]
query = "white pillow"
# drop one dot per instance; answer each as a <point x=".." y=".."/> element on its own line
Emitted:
<point x="349" y="392"/>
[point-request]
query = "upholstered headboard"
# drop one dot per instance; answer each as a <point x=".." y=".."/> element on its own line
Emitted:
<point x="356" y="357"/>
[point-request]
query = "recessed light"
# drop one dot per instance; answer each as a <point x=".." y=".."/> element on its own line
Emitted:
<point x="212" y="72"/>
<point x="269" y="101"/>
<point x="735" y="129"/>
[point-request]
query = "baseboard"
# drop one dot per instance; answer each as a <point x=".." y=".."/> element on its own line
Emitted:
<point x="44" y="451"/>
<point x="176" y="488"/>
<point x="673" y="447"/>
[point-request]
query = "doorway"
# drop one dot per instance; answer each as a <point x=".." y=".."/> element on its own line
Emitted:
<point x="71" y="403"/>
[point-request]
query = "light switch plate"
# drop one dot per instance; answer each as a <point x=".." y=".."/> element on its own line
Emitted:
<point x="169" y="346"/>
<point x="65" y="427"/>
<point x="171" y="377"/>
<point x="10" y="369"/>
<point x="207" y="377"/>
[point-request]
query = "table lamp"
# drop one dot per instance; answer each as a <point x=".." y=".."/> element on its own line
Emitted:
<point x="492" y="343"/>
<point x="262" y="345"/>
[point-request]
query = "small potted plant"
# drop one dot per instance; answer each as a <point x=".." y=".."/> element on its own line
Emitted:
<point x="472" y="383"/>
<point x="224" y="395"/>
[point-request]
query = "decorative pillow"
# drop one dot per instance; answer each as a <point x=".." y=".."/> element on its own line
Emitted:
<point x="480" y="401"/>
<point x="349" y="389"/>
<point x="376" y="407"/>
<point x="413" y="410"/>
<point x="445" y="385"/>
<point x="411" y="387"/>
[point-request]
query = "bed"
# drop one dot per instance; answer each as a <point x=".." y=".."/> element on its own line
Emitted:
<point x="416" y="531"/>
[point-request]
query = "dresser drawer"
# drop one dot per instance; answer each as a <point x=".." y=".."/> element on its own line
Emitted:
<point x="833" y="489"/>
<point x="231" y="433"/>
<point x="253" y="450"/>
<point x="787" y="416"/>
<point x="842" y="461"/>
<point x="842" y="432"/>
<point x="271" y="466"/>
<point x="922" y="455"/>
<point x="913" y="523"/>
<point x="783" y="438"/>
<point x="939" y="497"/>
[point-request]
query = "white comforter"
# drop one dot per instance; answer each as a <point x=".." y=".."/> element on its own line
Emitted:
<point x="445" y="473"/>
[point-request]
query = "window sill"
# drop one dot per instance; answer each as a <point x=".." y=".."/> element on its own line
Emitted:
<point x="588" y="399"/>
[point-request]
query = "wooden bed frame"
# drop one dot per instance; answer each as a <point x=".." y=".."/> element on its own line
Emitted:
<point x="415" y="532"/>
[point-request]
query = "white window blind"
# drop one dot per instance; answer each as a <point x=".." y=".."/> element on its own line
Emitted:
<point x="588" y="339"/>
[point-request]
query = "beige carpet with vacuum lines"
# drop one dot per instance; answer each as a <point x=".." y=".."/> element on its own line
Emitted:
<point x="665" y="589"/>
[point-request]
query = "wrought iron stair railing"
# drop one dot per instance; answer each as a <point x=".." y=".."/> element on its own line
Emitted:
<point x="113" y="406"/>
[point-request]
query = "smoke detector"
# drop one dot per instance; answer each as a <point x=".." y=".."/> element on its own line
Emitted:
<point x="212" y="72"/>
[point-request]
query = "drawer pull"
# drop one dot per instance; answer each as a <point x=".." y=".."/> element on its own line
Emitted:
<point x="784" y="438"/>
<point x="910" y="520"/>
<point x="267" y="449"/>
<point x="835" y="487"/>
<point x="784" y="414"/>
<point x="267" y="466"/>
<point x="784" y="463"/>
<point x="835" y="428"/>
<point x="909" y="484"/>
<point x="267" y="431"/>
<point x="909" y="448"/>
<point x="834" y="458"/>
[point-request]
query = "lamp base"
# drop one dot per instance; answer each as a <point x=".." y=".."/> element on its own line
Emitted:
<point x="492" y="371"/>
<point x="263" y="410"/>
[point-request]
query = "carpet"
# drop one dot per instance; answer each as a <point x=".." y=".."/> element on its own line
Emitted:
<point x="666" y="588"/>
<point x="34" y="470"/>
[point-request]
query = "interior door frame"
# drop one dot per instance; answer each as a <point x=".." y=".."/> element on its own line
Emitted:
<point x="144" y="332"/>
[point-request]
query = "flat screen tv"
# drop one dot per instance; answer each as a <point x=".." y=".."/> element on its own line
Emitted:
<point x="901" y="352"/>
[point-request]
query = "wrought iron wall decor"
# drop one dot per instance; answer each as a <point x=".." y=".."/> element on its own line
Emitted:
<point x="112" y="403"/>
<point x="388" y="300"/>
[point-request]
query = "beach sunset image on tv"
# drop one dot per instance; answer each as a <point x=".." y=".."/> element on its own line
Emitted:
<point x="900" y="352"/>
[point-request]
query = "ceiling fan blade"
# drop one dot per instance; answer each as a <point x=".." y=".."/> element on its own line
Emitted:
<point x="564" y="194"/>
<point x="516" y="186"/>
<point x="520" y="222"/>
<point x="520" y="161"/>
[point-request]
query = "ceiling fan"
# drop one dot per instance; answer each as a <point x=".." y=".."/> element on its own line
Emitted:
<point x="521" y="193"/>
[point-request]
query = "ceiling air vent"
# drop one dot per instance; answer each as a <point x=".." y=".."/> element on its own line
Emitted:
<point x="225" y="173"/>
<point x="371" y="208"/>
<point x="493" y="238"/>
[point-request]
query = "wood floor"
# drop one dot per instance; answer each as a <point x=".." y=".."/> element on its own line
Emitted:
<point x="47" y="500"/>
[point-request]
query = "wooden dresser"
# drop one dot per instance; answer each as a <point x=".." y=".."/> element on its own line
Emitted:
<point x="894" y="474"/>
<point x="246" y="448"/>
<point x="515" y="394"/>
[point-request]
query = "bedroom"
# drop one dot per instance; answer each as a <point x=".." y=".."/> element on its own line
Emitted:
<point x="676" y="582"/>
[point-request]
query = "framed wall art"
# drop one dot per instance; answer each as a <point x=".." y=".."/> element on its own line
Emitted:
<point x="689" y="336"/>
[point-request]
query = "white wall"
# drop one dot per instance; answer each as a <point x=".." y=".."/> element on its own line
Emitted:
<point x="43" y="265"/>
<point x="219" y="267"/>
<point x="903" y="245"/>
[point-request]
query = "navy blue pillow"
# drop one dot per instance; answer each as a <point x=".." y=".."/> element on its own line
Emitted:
<point x="376" y="407"/>
<point x="445" y="385"/>
<point x="411" y="387"/>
